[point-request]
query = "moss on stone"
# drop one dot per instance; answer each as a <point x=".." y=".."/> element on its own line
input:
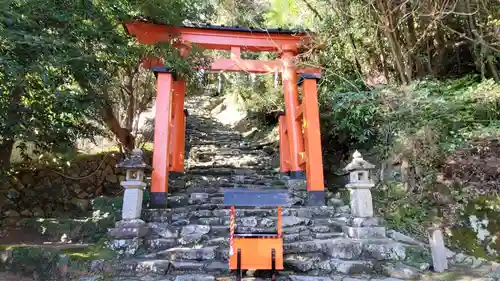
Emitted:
<point x="415" y="256"/>
<point x="465" y="236"/>
<point x="52" y="262"/>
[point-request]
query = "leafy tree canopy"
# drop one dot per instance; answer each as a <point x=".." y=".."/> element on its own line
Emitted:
<point x="58" y="60"/>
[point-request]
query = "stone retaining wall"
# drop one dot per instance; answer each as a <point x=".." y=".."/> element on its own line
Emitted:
<point x="45" y="191"/>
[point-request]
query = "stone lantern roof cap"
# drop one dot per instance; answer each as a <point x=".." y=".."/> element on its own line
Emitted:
<point x="358" y="163"/>
<point x="135" y="161"/>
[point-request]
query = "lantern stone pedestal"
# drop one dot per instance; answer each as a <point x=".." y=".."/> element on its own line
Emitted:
<point x="362" y="224"/>
<point x="128" y="233"/>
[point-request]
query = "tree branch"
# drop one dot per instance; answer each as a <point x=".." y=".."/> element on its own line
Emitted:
<point x="316" y="12"/>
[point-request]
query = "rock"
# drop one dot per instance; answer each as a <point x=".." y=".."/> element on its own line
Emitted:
<point x="199" y="197"/>
<point x="249" y="221"/>
<point x="92" y="278"/>
<point x="400" y="237"/>
<point x="82" y="204"/>
<point x="343" y="209"/>
<point x="26" y="213"/>
<point x="301" y="263"/>
<point x="308" y="278"/>
<point x="194" y="277"/>
<point x="459" y="258"/>
<point x="402" y="271"/>
<point x="11" y="214"/>
<point x="364" y="232"/>
<point x="217" y="266"/>
<point x="324" y="266"/>
<point x="193" y="233"/>
<point x="126" y="247"/>
<point x="288" y="221"/>
<point x="129" y="229"/>
<point x="159" y="244"/>
<point x="342" y="248"/>
<point x="209" y="221"/>
<point x="320" y="229"/>
<point x="477" y="262"/>
<point x="207" y="253"/>
<point x="156" y="266"/>
<point x="186" y="266"/>
<point x="335" y="202"/>
<point x="83" y="195"/>
<point x="266" y="222"/>
<point x="351" y="267"/>
<point x="374" y="221"/>
<point x="38" y="212"/>
<point x="97" y="265"/>
<point x="384" y="251"/>
<point x="424" y="266"/>
<point x="301" y="247"/>
<point x="13" y="194"/>
<point x="167" y="233"/>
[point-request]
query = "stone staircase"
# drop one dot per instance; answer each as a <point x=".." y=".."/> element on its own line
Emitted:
<point x="189" y="240"/>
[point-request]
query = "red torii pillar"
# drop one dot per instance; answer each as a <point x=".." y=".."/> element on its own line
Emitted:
<point x="161" y="163"/>
<point x="300" y="137"/>
<point x="169" y="136"/>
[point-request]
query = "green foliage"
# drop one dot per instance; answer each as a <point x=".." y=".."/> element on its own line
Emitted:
<point x="282" y="12"/>
<point x="59" y="61"/>
<point x="408" y="213"/>
<point x="415" y="256"/>
<point x="422" y="120"/>
<point x="47" y="263"/>
<point x="41" y="262"/>
<point x="486" y="213"/>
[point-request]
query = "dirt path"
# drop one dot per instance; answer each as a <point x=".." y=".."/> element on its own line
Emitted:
<point x="15" y="235"/>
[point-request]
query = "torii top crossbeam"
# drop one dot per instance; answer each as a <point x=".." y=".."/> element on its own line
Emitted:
<point x="233" y="39"/>
<point x="300" y="138"/>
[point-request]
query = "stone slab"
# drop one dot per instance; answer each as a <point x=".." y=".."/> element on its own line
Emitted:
<point x="256" y="197"/>
<point x="364" y="232"/>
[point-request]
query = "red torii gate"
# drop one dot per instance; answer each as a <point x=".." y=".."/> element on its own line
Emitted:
<point x="300" y="138"/>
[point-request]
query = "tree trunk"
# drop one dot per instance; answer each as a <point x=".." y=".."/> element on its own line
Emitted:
<point x="441" y="47"/>
<point x="383" y="58"/>
<point x="7" y="144"/>
<point x="123" y="135"/>
<point x="108" y="116"/>
<point x="385" y="14"/>
<point x="345" y="24"/>
<point x="411" y="40"/>
<point x="493" y="68"/>
<point x="6" y="148"/>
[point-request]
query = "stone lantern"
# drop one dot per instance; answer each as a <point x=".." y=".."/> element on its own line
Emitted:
<point x="359" y="186"/>
<point x="363" y="224"/>
<point x="131" y="224"/>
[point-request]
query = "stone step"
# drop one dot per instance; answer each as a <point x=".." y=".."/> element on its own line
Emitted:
<point x="186" y="253"/>
<point x="214" y="235"/>
<point x="324" y="215"/>
<point x="226" y="169"/>
<point x="136" y="267"/>
<point x="198" y="152"/>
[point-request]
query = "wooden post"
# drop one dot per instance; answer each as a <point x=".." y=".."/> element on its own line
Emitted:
<point x="438" y="250"/>
<point x="293" y="126"/>
<point x="312" y="142"/>
<point x="159" y="181"/>
<point x="177" y="137"/>
<point x="284" y="147"/>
